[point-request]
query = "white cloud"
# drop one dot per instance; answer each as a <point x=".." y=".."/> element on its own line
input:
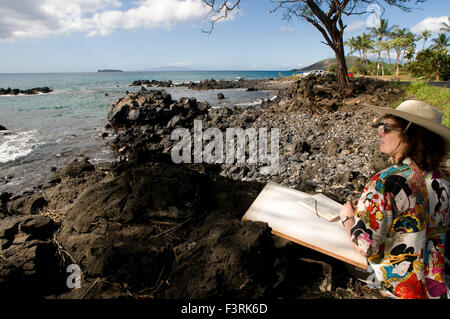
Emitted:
<point x="44" y="18"/>
<point x="287" y="29"/>
<point x="150" y="14"/>
<point x="60" y="8"/>
<point x="432" y="24"/>
<point x="356" y="25"/>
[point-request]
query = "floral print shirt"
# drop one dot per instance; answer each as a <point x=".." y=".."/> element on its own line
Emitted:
<point x="401" y="222"/>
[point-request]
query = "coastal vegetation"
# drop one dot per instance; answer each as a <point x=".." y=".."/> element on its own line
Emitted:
<point x="396" y="52"/>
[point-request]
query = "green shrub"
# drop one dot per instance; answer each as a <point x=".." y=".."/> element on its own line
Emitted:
<point x="333" y="68"/>
<point x="359" y="68"/>
<point x="439" y="97"/>
<point x="431" y="64"/>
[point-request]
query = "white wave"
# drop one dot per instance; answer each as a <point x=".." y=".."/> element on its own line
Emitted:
<point x="247" y="104"/>
<point x="24" y="94"/>
<point x="14" y="145"/>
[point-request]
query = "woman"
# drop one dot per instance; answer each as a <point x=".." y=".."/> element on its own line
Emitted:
<point x="401" y="219"/>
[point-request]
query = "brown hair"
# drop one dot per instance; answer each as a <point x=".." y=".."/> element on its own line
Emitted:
<point x="424" y="147"/>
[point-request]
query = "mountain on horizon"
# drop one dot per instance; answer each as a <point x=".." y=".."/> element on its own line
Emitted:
<point x="109" y="70"/>
<point x="169" y="68"/>
<point x="324" y="64"/>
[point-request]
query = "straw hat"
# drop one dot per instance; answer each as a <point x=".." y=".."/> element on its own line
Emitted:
<point x="419" y="113"/>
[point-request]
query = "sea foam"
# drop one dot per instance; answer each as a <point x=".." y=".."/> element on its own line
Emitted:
<point x="14" y="145"/>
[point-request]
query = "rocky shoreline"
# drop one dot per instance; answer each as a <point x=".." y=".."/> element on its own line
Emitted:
<point x="144" y="227"/>
<point x="38" y="90"/>
<point x="325" y="140"/>
<point x="212" y="84"/>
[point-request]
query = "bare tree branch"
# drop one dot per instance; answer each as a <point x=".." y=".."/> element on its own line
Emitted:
<point x="220" y="11"/>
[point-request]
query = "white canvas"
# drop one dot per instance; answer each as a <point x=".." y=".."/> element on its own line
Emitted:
<point x="279" y="207"/>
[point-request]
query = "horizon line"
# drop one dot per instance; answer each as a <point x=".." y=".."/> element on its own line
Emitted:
<point x="131" y="71"/>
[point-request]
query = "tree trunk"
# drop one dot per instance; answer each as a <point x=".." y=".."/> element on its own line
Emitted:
<point x="397" y="62"/>
<point x="378" y="62"/>
<point x="333" y="36"/>
<point x="342" y="66"/>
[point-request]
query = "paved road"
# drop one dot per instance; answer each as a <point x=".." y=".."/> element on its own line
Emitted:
<point x="442" y="84"/>
<point x="433" y="83"/>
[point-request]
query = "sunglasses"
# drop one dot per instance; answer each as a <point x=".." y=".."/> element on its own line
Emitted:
<point x="386" y="128"/>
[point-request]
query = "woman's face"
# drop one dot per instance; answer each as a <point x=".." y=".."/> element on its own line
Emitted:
<point x="390" y="140"/>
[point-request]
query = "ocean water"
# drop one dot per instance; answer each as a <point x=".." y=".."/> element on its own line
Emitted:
<point x="50" y="130"/>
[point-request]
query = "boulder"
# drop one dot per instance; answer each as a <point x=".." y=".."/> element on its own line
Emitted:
<point x="5" y="91"/>
<point x="298" y="147"/>
<point x="147" y="107"/>
<point x="75" y="169"/>
<point x="224" y="257"/>
<point x="30" y="264"/>
<point x="28" y="205"/>
<point x="114" y="226"/>
<point x="145" y="120"/>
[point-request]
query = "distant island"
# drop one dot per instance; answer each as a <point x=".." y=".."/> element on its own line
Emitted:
<point x="109" y="70"/>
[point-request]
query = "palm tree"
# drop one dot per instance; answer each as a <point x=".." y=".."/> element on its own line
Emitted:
<point x="351" y="43"/>
<point x="410" y="45"/>
<point x="364" y="44"/>
<point x="382" y="31"/>
<point x="385" y="46"/>
<point x="378" y="47"/>
<point x="409" y="54"/>
<point x="425" y="35"/>
<point x="357" y="45"/>
<point x="441" y="42"/>
<point x="391" y="36"/>
<point x="446" y="26"/>
<point x="402" y="40"/>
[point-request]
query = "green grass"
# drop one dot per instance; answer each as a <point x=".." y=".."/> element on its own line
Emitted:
<point x="439" y="97"/>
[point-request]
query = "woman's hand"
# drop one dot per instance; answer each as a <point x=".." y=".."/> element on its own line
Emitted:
<point x="347" y="215"/>
<point x="347" y="211"/>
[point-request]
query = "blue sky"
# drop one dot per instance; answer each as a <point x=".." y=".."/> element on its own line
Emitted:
<point x="84" y="35"/>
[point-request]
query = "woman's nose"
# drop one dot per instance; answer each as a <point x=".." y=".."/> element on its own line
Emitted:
<point x="380" y="131"/>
